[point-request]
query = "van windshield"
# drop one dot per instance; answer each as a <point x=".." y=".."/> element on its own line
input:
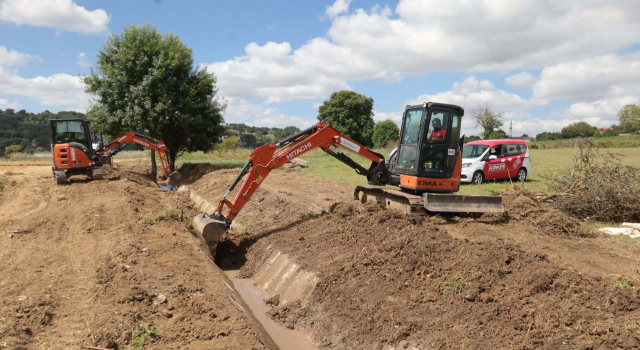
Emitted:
<point x="473" y="151"/>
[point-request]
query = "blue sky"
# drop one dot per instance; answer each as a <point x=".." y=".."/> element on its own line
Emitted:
<point x="543" y="64"/>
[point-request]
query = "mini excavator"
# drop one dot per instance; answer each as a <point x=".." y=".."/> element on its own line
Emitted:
<point x="73" y="153"/>
<point x="425" y="167"/>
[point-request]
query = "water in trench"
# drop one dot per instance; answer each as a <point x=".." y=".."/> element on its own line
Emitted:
<point x="255" y="298"/>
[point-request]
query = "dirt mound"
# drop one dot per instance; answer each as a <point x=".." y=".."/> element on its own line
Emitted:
<point x="194" y="172"/>
<point x="387" y="278"/>
<point x="521" y="207"/>
<point x="110" y="264"/>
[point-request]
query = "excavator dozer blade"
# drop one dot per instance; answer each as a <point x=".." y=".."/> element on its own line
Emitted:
<point x="210" y="228"/>
<point x="459" y="203"/>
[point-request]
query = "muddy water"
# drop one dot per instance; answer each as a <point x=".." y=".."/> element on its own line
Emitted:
<point x="255" y="298"/>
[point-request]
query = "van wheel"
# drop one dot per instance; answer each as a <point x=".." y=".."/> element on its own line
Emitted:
<point x="478" y="178"/>
<point x="521" y="175"/>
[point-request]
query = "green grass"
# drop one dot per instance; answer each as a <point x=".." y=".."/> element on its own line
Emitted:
<point x="141" y="336"/>
<point x="544" y="163"/>
<point x="627" y="141"/>
<point x="227" y="159"/>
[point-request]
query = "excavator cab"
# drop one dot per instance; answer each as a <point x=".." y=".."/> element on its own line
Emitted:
<point x="427" y="158"/>
<point x="428" y="162"/>
<point x="72" y="151"/>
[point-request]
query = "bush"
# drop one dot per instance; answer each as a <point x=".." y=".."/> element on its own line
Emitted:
<point x="228" y="143"/>
<point x="8" y="151"/>
<point x="599" y="187"/>
<point x="385" y="132"/>
<point x="580" y="129"/>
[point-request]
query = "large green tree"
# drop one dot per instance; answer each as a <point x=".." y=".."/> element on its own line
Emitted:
<point x="351" y="114"/>
<point x="146" y="81"/>
<point x="485" y="118"/>
<point x="385" y="132"/>
<point x="629" y="117"/>
<point x="579" y="129"/>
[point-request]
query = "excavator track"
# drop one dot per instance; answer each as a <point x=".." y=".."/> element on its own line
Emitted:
<point x="431" y="202"/>
<point x="389" y="198"/>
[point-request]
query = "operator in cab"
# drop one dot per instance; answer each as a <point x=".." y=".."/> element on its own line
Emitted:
<point x="438" y="135"/>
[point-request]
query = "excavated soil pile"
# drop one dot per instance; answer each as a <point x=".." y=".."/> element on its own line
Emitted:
<point x="195" y="171"/>
<point x="110" y="264"/>
<point x="387" y="279"/>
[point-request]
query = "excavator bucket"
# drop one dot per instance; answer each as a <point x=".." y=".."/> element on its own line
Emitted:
<point x="210" y="228"/>
<point x="174" y="182"/>
<point x="458" y="203"/>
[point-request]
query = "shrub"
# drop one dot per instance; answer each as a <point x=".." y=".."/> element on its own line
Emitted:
<point x="599" y="187"/>
<point x="8" y="151"/>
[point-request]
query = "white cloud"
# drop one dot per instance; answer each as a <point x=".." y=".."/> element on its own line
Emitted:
<point x="4" y="104"/>
<point x="590" y="79"/>
<point x="501" y="35"/>
<point x="472" y="93"/>
<point x="521" y="80"/>
<point x="274" y="73"/>
<point x="338" y="7"/>
<point x="242" y="111"/>
<point x="380" y="116"/>
<point x="13" y="58"/>
<point x="82" y="59"/>
<point x="426" y="36"/>
<point x="59" y="14"/>
<point x="55" y="90"/>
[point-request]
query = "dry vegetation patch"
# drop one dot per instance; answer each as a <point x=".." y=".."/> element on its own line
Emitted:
<point x="599" y="187"/>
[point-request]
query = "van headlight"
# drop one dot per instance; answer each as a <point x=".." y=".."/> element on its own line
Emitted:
<point x="466" y="165"/>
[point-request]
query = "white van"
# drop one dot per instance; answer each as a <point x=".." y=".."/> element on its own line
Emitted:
<point x="495" y="159"/>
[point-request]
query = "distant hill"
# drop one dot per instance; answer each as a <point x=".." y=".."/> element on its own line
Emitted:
<point x="254" y="136"/>
<point x="28" y="130"/>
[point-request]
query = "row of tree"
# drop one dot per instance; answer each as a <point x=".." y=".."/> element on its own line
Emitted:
<point x="491" y="123"/>
<point x="278" y="133"/>
<point x="349" y="112"/>
<point x="629" y="118"/>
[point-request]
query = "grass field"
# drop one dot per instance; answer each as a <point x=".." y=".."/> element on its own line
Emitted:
<point x="545" y="163"/>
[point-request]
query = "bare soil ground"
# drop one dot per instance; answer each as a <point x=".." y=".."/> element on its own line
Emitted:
<point x="83" y="265"/>
<point x="532" y="278"/>
<point x="108" y="264"/>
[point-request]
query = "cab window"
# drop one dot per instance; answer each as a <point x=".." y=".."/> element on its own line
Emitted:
<point x="412" y="126"/>
<point x="408" y="151"/>
<point x="473" y="151"/>
<point x="70" y="131"/>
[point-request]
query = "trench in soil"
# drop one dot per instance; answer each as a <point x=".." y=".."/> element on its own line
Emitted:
<point x="255" y="296"/>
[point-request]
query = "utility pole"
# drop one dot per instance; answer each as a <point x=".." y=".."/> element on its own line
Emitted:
<point x="511" y="129"/>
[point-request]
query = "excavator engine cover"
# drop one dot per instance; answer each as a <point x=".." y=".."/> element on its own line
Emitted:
<point x="210" y="228"/>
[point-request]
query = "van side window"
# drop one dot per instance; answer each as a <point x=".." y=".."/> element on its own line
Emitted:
<point x="513" y="150"/>
<point x="494" y="151"/>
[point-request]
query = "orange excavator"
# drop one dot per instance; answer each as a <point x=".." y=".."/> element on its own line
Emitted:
<point x="425" y="167"/>
<point x="73" y="152"/>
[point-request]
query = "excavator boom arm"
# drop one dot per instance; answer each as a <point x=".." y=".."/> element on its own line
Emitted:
<point x="119" y="143"/>
<point x="266" y="158"/>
